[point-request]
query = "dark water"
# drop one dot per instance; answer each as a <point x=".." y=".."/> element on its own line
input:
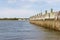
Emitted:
<point x="23" y="30"/>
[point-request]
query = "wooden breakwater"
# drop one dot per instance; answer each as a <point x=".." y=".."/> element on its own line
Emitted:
<point x="49" y="20"/>
<point x="50" y="24"/>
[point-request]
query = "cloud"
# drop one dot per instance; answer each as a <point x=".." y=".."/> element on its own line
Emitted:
<point x="33" y="0"/>
<point x="16" y="13"/>
<point x="52" y="1"/>
<point x="29" y="1"/>
<point x="26" y="6"/>
<point x="11" y="1"/>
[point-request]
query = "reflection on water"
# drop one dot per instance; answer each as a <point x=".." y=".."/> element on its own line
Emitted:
<point x="23" y="30"/>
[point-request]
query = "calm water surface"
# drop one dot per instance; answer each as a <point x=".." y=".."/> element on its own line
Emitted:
<point x="23" y="30"/>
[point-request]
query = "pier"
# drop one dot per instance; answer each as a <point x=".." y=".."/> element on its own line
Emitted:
<point x="50" y="20"/>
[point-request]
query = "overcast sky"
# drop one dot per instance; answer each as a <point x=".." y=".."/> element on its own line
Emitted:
<point x="26" y="8"/>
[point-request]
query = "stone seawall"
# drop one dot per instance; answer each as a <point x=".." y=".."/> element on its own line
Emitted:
<point x="50" y="24"/>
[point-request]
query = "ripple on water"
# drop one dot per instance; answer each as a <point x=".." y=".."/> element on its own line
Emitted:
<point x="23" y="30"/>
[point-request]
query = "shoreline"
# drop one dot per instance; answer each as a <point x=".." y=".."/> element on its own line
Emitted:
<point x="50" y="24"/>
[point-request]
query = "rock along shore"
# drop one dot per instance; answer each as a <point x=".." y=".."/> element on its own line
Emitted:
<point x="50" y="24"/>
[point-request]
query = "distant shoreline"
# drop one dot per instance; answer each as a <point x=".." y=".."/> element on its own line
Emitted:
<point x="8" y="18"/>
<point x="13" y="18"/>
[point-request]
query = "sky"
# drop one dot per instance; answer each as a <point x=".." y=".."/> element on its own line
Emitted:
<point x="26" y="8"/>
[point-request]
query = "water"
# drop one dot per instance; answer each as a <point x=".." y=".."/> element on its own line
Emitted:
<point x="23" y="30"/>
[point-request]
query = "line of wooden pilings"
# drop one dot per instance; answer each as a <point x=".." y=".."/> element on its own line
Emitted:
<point x="51" y="24"/>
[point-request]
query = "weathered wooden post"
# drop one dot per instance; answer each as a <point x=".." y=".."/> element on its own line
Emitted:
<point x="58" y="16"/>
<point x="51" y="13"/>
<point x="45" y="11"/>
<point x="51" y="10"/>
